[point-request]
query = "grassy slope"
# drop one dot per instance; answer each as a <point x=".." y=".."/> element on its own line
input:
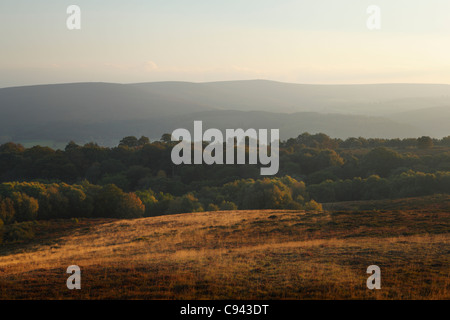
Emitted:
<point x="268" y="254"/>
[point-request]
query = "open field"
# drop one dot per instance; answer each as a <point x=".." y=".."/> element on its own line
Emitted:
<point x="266" y="254"/>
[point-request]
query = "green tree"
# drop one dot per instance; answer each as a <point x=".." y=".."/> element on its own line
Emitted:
<point x="425" y="142"/>
<point x="313" y="206"/>
<point x="228" y="205"/>
<point x="323" y="192"/>
<point x="7" y="211"/>
<point x="166" y="138"/>
<point x="26" y="207"/>
<point x="130" y="206"/>
<point x="143" y="141"/>
<point x="212" y="207"/>
<point x="184" y="204"/>
<point x="149" y="200"/>
<point x="381" y="161"/>
<point x="107" y="201"/>
<point x="130" y="141"/>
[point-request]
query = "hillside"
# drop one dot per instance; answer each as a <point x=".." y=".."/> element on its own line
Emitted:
<point x="291" y="124"/>
<point x="436" y="118"/>
<point x="106" y="112"/>
<point x="267" y="254"/>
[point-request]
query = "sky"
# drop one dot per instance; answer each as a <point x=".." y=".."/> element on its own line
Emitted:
<point x="318" y="42"/>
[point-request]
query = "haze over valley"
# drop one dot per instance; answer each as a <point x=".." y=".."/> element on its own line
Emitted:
<point x="106" y="112"/>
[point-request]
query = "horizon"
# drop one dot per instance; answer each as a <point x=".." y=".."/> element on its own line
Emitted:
<point x="224" y="81"/>
<point x="286" y="41"/>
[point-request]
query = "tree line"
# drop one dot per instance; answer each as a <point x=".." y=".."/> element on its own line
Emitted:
<point x="137" y="178"/>
<point x="138" y="164"/>
<point x="30" y="201"/>
<point x="406" y="184"/>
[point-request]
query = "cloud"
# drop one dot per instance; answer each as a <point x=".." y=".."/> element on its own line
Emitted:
<point x="150" y="66"/>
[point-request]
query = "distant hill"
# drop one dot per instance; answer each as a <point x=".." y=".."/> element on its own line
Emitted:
<point x="263" y="95"/>
<point x="105" y="112"/>
<point x="292" y="124"/>
<point x="435" y="121"/>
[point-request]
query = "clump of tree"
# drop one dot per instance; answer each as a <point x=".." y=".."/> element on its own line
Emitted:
<point x="425" y="142"/>
<point x="405" y="184"/>
<point x="137" y="178"/>
<point x="18" y="232"/>
<point x="139" y="164"/>
<point x="27" y="201"/>
<point x="268" y="193"/>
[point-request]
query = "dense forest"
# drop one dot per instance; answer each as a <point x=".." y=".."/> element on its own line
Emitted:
<point x="137" y="178"/>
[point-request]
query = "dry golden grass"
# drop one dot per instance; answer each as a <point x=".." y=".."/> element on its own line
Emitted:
<point x="268" y="254"/>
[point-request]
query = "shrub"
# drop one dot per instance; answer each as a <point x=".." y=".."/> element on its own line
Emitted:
<point x="313" y="205"/>
<point x="130" y="206"/>
<point x="26" y="207"/>
<point x="7" y="211"/>
<point x="212" y="207"/>
<point x="19" y="232"/>
<point x="186" y="203"/>
<point x="228" y="205"/>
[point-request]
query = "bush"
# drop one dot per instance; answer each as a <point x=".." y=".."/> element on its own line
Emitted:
<point x="228" y="205"/>
<point x="130" y="206"/>
<point x="212" y="207"/>
<point x="184" y="204"/>
<point x="7" y="211"/>
<point x="19" y="232"/>
<point x="26" y="207"/>
<point x="314" y="206"/>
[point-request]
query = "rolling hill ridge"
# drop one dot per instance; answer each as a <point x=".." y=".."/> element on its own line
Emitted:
<point x="106" y="112"/>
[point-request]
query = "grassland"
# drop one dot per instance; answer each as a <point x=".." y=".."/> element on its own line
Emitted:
<point x="268" y="254"/>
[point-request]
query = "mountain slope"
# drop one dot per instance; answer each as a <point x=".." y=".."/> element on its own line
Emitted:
<point x="262" y="95"/>
<point x="106" y="112"/>
<point x="435" y="121"/>
<point x="109" y="133"/>
<point x="87" y="103"/>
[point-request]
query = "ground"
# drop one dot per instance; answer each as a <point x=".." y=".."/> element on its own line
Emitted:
<point x="263" y="254"/>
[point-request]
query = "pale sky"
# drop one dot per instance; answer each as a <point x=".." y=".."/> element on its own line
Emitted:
<point x="320" y="41"/>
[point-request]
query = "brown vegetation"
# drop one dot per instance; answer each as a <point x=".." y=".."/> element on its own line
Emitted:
<point x="265" y="254"/>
